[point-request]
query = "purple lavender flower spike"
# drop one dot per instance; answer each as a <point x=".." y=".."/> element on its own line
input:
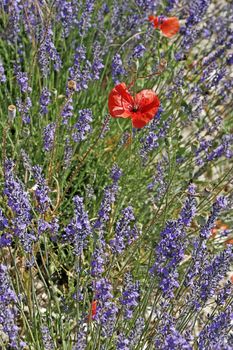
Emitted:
<point x="8" y="309"/>
<point x="199" y="246"/>
<point x="13" y="10"/>
<point x="48" y="52"/>
<point x="48" y="136"/>
<point x="67" y="111"/>
<point x="85" y="20"/>
<point x="224" y="293"/>
<point x="18" y="200"/>
<point x="44" y="101"/>
<point x="171" y="248"/>
<point x="5" y="237"/>
<point x="214" y="334"/>
<point x="41" y="190"/>
<point x="220" y="204"/>
<point x="138" y="51"/>
<point x="24" y="108"/>
<point x="125" y="232"/>
<point x="168" y="337"/>
<point x="67" y="12"/>
<point x="80" y="72"/>
<point x="108" y="199"/>
<point x="130" y="296"/>
<point x="82" y="128"/>
<point x="99" y="255"/>
<point x="98" y="258"/>
<point x="106" y="308"/>
<point x="81" y="337"/>
<point x="103" y="290"/>
<point x="147" y="5"/>
<point x="97" y="65"/>
<point x="46" y="338"/>
<point x="68" y="153"/>
<point x="116" y="173"/>
<point x="52" y="226"/>
<point x="2" y="73"/>
<point x="79" y="229"/>
<point x="117" y="68"/>
<point x="122" y="343"/>
<point x="22" y="80"/>
<point x="211" y="273"/>
<point x="136" y="332"/>
<point x="159" y="184"/>
<point x="3" y="221"/>
<point x="156" y="134"/>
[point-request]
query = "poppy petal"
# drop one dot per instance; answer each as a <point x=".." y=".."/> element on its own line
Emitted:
<point x="155" y="20"/>
<point x="139" y="121"/>
<point x="170" y="27"/>
<point x="120" y="102"/>
<point x="148" y="103"/>
<point x="151" y="18"/>
<point x="93" y="310"/>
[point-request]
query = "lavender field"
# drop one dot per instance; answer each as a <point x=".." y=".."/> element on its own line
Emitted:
<point x="116" y="177"/>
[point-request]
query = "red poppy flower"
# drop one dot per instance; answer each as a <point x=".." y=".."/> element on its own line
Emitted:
<point x="141" y="108"/>
<point x="93" y="310"/>
<point x="169" y="26"/>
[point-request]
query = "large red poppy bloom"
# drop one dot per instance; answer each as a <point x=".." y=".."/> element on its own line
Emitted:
<point x="141" y="108"/>
<point x="169" y="26"/>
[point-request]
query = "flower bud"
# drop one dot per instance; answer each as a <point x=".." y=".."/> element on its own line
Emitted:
<point x="11" y="112"/>
<point x="162" y="65"/>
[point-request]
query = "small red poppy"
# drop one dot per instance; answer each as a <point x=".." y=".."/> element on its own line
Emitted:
<point x="93" y="310"/>
<point x="169" y="26"/>
<point x="141" y="108"/>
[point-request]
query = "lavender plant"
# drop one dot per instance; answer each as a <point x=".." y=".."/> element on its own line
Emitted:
<point x="116" y="189"/>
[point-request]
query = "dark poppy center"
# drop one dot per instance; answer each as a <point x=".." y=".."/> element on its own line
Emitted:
<point x="135" y="109"/>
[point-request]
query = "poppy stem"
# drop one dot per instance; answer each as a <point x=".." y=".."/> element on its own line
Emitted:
<point x="145" y="77"/>
<point x="130" y="38"/>
<point x="150" y="75"/>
